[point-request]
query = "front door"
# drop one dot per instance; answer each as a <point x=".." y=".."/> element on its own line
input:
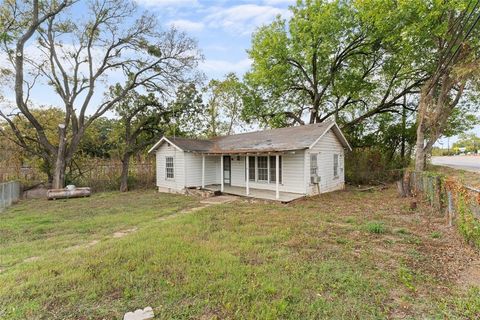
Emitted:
<point x="227" y="170"/>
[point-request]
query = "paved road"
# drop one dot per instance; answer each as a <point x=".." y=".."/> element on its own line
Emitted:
<point x="469" y="163"/>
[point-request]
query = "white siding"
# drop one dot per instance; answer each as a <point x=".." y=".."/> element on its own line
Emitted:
<point x="212" y="170"/>
<point x="193" y="169"/>
<point x="295" y="169"/>
<point x="178" y="182"/>
<point x="326" y="147"/>
<point x="292" y="173"/>
<point x="238" y="171"/>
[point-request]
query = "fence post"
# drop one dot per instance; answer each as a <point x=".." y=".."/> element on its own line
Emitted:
<point x="451" y="211"/>
<point x="2" y="198"/>
<point x="9" y="194"/>
<point x="438" y="195"/>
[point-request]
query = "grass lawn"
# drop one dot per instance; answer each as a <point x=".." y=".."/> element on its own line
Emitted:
<point x="466" y="177"/>
<point x="344" y="255"/>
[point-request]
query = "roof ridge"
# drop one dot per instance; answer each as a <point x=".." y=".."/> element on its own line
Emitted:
<point x="216" y="138"/>
<point x="329" y="121"/>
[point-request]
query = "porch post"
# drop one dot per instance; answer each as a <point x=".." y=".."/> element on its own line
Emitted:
<point x="277" y="177"/>
<point x="247" y="182"/>
<point x="221" y="173"/>
<point x="203" y="171"/>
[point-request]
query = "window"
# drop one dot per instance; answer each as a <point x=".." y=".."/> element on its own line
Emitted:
<point x="251" y="168"/>
<point x="273" y="159"/>
<point x="313" y="167"/>
<point x="262" y="168"/>
<point x="169" y="169"/>
<point x="335" y="165"/>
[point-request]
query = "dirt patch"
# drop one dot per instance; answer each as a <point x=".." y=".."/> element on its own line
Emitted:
<point x="420" y="238"/>
<point x="31" y="259"/>
<point x="445" y="255"/>
<point x="205" y="204"/>
<point x="470" y="276"/>
<point x="219" y="199"/>
<point x="187" y="211"/>
<point x="80" y="246"/>
<point x="123" y="233"/>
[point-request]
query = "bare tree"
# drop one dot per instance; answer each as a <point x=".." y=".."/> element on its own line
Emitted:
<point x="77" y="58"/>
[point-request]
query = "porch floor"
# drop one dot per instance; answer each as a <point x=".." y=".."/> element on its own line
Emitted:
<point x="256" y="193"/>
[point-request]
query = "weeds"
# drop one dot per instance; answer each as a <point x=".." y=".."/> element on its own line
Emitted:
<point x="375" y="227"/>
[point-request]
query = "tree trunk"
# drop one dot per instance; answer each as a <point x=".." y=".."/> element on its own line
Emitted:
<point x="124" y="174"/>
<point x="419" y="149"/>
<point x="404" y="130"/>
<point x="425" y="99"/>
<point x="60" y="163"/>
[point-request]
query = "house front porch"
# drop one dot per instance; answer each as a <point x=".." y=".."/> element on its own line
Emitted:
<point x="284" y="197"/>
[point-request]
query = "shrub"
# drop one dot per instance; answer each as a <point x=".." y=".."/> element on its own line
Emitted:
<point x="370" y="165"/>
<point x="468" y="223"/>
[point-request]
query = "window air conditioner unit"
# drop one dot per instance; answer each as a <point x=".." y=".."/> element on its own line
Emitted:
<point x="315" y="179"/>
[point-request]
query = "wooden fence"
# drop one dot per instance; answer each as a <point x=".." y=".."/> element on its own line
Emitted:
<point x="102" y="175"/>
<point x="9" y="173"/>
<point x="459" y="203"/>
<point x="99" y="174"/>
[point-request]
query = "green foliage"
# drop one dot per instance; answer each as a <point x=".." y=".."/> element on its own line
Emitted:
<point x="351" y="59"/>
<point x="381" y="148"/>
<point x="465" y="202"/>
<point x="375" y="227"/>
<point x="294" y="61"/>
<point x="469" y="143"/>
<point x="142" y="119"/>
<point x="468" y="223"/>
<point x="189" y="110"/>
<point x="361" y="62"/>
<point x="100" y="140"/>
<point x="126" y="39"/>
<point x="403" y="231"/>
<point x="436" y="234"/>
<point x="236" y="260"/>
<point x="406" y="277"/>
<point x="463" y="118"/>
<point x="371" y="166"/>
<point x="467" y="305"/>
<point x="224" y="108"/>
<point x="212" y="110"/>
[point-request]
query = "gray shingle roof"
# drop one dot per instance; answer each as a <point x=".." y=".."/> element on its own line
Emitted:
<point x="194" y="145"/>
<point x="273" y="140"/>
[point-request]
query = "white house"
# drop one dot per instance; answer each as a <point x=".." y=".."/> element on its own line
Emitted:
<point x="306" y="159"/>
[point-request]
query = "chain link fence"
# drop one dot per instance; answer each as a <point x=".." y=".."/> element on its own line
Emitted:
<point x="9" y="194"/>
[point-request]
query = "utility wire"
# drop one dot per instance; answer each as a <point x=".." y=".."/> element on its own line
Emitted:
<point x="467" y="35"/>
